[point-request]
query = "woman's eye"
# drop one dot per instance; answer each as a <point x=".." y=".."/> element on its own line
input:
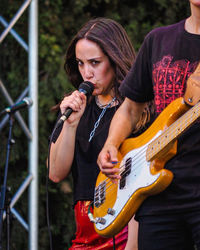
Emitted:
<point x="95" y="62"/>
<point x="79" y="63"/>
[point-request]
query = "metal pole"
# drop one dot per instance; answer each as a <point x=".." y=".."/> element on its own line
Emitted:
<point x="33" y="125"/>
<point x="14" y="20"/>
<point x="17" y="114"/>
<point x="15" y="35"/>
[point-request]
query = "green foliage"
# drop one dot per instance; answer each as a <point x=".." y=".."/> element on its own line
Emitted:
<point x="58" y="22"/>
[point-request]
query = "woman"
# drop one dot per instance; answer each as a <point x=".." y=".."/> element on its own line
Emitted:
<point x="102" y="54"/>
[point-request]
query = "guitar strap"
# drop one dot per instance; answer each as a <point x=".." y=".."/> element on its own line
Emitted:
<point x="192" y="92"/>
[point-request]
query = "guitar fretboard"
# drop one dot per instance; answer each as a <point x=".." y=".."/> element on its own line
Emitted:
<point x="173" y="131"/>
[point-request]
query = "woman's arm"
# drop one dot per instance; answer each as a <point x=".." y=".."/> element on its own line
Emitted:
<point x="62" y="151"/>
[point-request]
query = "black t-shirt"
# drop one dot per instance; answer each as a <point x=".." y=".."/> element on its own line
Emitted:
<point x="84" y="168"/>
<point x="166" y="59"/>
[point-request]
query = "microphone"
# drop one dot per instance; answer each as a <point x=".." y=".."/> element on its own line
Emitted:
<point x="26" y="102"/>
<point x="86" y="88"/>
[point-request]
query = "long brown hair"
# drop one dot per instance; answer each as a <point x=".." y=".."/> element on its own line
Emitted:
<point x="111" y="37"/>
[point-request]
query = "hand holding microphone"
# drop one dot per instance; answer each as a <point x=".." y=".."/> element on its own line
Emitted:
<point x="86" y="88"/>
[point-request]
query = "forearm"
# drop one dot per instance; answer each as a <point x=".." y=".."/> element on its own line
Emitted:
<point x="62" y="153"/>
<point x="132" y="242"/>
<point x="124" y="122"/>
<point x="120" y="128"/>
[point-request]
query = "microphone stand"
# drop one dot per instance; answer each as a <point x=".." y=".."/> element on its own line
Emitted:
<point x="4" y="187"/>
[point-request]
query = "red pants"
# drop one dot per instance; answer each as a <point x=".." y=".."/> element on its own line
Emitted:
<point x="86" y="236"/>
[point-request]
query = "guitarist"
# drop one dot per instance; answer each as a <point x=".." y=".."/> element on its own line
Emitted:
<point x="168" y="56"/>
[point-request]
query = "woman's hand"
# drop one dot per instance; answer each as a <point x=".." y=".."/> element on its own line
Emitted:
<point x="77" y="102"/>
<point x="107" y="159"/>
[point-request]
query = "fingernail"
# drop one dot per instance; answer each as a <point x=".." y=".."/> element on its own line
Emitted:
<point x="114" y="162"/>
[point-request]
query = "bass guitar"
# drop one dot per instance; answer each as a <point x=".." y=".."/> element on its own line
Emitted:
<point x="141" y="163"/>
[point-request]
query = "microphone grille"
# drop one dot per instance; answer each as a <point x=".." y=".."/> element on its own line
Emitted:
<point x="28" y="101"/>
<point x="86" y="87"/>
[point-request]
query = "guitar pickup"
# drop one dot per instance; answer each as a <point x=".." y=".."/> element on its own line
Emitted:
<point x="99" y="194"/>
<point x="125" y="172"/>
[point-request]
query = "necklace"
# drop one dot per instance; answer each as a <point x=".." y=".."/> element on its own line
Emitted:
<point x="105" y="107"/>
<point x="101" y="106"/>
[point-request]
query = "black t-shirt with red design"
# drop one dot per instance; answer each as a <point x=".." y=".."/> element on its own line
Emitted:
<point x="166" y="59"/>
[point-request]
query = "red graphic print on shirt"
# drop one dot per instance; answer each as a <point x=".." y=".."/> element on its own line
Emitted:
<point x="169" y="80"/>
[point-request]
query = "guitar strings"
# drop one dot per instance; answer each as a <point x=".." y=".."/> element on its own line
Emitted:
<point x="109" y="184"/>
<point x="140" y="153"/>
<point x="171" y="128"/>
<point x="136" y="159"/>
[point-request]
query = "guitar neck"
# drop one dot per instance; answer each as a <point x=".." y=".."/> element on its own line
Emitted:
<point x="173" y="132"/>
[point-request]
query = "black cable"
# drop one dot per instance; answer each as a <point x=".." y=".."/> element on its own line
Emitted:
<point x="92" y="220"/>
<point x="114" y="243"/>
<point x="86" y="88"/>
<point x="47" y="199"/>
<point x="47" y="193"/>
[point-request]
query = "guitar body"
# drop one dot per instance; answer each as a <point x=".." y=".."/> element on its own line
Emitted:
<point x="141" y="175"/>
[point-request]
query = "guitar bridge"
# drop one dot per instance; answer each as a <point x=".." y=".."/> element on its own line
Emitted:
<point x="99" y="194"/>
<point x="125" y="172"/>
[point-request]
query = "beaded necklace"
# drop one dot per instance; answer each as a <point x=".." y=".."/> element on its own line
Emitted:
<point x="105" y="107"/>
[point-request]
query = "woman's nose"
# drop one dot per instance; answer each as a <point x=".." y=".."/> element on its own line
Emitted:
<point x="88" y="72"/>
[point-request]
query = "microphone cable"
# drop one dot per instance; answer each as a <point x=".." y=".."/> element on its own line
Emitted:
<point x="47" y="192"/>
<point x="87" y="88"/>
<point x="47" y="200"/>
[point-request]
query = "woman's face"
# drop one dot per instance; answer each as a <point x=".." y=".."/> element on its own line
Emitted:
<point x="94" y="66"/>
<point x="195" y="2"/>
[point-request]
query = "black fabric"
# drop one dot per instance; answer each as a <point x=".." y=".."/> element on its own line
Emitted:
<point x="170" y="232"/>
<point x="161" y="76"/>
<point x="84" y="168"/>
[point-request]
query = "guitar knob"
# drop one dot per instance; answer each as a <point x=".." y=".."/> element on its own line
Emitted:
<point x="111" y="211"/>
<point x="101" y="220"/>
